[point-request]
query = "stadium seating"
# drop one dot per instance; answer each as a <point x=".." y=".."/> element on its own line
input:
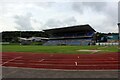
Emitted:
<point x="67" y="42"/>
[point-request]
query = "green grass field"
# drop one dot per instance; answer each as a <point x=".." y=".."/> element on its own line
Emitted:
<point x="57" y="49"/>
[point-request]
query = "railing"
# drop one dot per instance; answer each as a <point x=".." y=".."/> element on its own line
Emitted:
<point x="4" y="43"/>
<point x="107" y="44"/>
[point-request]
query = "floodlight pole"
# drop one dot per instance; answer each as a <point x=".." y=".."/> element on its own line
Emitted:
<point x="119" y="33"/>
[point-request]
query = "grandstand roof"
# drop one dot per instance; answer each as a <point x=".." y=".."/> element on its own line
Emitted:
<point x="71" y="29"/>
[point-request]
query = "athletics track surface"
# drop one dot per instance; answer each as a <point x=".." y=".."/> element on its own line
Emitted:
<point x="99" y="61"/>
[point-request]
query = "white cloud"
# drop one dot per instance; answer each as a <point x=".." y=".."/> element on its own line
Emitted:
<point x="58" y="14"/>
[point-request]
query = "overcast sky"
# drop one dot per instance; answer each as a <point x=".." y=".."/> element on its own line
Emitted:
<point x="37" y="15"/>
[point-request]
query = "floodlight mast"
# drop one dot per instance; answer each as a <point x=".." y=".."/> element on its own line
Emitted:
<point x="119" y="33"/>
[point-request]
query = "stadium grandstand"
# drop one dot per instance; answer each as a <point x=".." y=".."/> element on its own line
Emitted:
<point x="73" y="35"/>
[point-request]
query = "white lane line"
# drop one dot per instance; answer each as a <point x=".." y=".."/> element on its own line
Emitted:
<point x="76" y="63"/>
<point x="18" y="63"/>
<point x="41" y="60"/>
<point x="11" y="60"/>
<point x="112" y="58"/>
<point x="51" y="55"/>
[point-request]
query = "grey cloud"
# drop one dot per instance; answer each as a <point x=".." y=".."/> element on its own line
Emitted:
<point x="98" y="6"/>
<point x="53" y="23"/>
<point x="23" y="22"/>
<point x="70" y="21"/>
<point x="101" y="8"/>
<point x="111" y="12"/>
<point x="44" y="4"/>
<point x="80" y="6"/>
<point x="107" y="9"/>
<point x="58" y="23"/>
<point x="77" y="6"/>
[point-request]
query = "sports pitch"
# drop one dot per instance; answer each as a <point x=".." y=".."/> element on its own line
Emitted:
<point x="59" y="49"/>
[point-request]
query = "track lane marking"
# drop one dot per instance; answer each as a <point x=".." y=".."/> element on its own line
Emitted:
<point x="76" y="63"/>
<point x="64" y="59"/>
<point x="41" y="60"/>
<point x="11" y="60"/>
<point x="51" y="55"/>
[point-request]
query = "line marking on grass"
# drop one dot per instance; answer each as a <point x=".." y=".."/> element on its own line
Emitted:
<point x="11" y="60"/>
<point x="76" y="63"/>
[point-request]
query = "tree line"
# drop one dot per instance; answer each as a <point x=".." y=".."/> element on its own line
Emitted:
<point x="12" y="36"/>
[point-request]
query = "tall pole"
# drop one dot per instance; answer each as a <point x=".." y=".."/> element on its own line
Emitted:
<point x="119" y="33"/>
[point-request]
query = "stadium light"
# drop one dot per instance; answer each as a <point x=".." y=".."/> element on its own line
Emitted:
<point x="119" y="32"/>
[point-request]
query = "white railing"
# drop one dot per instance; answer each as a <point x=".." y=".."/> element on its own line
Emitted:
<point x="4" y="43"/>
<point x="107" y="44"/>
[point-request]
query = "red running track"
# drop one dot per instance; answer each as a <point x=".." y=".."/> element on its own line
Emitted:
<point x="107" y="61"/>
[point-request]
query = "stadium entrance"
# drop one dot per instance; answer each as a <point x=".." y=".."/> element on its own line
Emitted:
<point x="73" y="35"/>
